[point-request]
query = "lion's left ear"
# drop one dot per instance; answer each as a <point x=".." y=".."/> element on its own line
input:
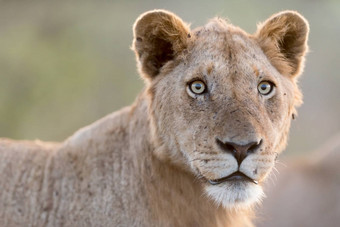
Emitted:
<point x="159" y="36"/>
<point x="283" y="38"/>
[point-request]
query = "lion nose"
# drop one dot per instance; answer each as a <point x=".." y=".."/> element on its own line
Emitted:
<point x="239" y="150"/>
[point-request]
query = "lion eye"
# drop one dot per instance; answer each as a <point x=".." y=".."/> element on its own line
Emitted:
<point x="265" y="87"/>
<point x="197" y="87"/>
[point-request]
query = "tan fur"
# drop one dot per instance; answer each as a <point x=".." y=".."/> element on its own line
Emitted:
<point x="149" y="164"/>
<point x="283" y="38"/>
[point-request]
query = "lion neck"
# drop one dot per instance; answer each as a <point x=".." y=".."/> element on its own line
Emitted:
<point x="175" y="197"/>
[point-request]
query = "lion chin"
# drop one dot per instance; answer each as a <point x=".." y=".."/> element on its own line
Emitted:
<point x="235" y="194"/>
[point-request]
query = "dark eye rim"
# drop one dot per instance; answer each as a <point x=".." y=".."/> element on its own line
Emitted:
<point x="195" y="80"/>
<point x="271" y="88"/>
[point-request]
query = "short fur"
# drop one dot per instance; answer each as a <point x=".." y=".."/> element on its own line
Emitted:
<point x="149" y="164"/>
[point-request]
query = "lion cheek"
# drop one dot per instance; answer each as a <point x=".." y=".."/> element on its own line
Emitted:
<point x="258" y="166"/>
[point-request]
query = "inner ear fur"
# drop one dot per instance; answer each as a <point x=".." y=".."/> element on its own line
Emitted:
<point x="159" y="36"/>
<point x="283" y="38"/>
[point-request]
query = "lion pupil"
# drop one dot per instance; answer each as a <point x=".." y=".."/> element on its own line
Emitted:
<point x="264" y="87"/>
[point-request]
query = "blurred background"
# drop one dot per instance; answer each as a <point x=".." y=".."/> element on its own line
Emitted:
<point x="65" y="64"/>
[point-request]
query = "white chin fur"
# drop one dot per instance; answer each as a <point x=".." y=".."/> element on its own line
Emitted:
<point x="235" y="194"/>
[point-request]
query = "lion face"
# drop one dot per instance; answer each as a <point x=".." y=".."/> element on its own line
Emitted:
<point x="219" y="106"/>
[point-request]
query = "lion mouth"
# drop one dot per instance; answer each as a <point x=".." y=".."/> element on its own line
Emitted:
<point x="236" y="176"/>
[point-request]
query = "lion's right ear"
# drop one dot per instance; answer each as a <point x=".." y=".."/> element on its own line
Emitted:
<point x="159" y="36"/>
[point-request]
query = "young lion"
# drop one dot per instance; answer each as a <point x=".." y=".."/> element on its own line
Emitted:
<point x="193" y="150"/>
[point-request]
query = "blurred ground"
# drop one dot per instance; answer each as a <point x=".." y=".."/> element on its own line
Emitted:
<point x="65" y="64"/>
<point x="305" y="192"/>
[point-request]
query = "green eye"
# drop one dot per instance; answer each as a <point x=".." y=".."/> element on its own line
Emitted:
<point x="265" y="87"/>
<point x="197" y="87"/>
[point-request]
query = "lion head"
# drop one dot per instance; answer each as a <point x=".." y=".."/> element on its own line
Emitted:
<point x="220" y="100"/>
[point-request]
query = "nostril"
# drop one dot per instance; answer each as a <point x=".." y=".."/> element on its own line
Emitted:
<point x="254" y="146"/>
<point x="225" y="146"/>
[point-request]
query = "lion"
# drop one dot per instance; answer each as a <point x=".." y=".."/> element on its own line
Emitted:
<point x="193" y="150"/>
<point x="306" y="191"/>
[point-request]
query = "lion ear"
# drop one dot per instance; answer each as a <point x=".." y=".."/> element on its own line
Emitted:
<point x="283" y="38"/>
<point x="159" y="36"/>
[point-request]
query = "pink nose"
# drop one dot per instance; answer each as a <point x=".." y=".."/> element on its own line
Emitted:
<point x="238" y="150"/>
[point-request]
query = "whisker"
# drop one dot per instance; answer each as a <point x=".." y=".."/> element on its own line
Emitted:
<point x="280" y="163"/>
<point x="271" y="178"/>
<point x="276" y="170"/>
